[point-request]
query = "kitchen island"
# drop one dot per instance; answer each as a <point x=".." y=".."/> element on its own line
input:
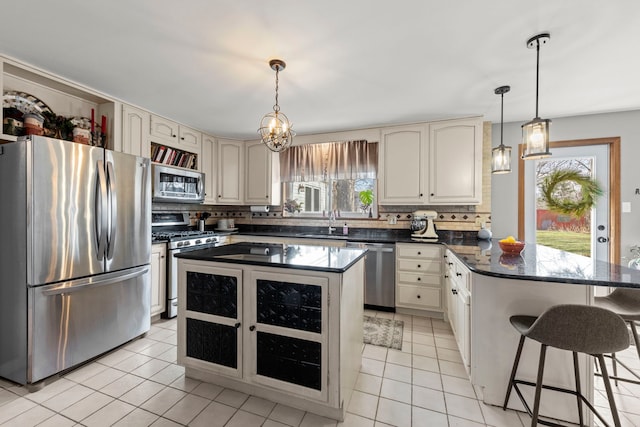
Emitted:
<point x="282" y="322"/>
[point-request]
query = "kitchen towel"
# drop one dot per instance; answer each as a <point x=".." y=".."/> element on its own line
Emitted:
<point x="260" y="209"/>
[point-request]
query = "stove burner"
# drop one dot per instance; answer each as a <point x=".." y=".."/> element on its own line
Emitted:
<point x="178" y="235"/>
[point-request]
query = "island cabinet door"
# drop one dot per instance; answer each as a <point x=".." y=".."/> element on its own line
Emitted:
<point x="209" y="318"/>
<point x="287" y="338"/>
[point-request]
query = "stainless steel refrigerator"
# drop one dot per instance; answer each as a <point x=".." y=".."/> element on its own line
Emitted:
<point x="75" y="232"/>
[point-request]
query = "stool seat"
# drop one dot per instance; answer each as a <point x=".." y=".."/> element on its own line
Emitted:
<point x="576" y="328"/>
<point x="625" y="302"/>
<point x="579" y="328"/>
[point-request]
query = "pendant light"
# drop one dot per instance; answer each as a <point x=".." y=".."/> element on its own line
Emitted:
<point x="535" y="134"/>
<point x="275" y="128"/>
<point x="501" y="155"/>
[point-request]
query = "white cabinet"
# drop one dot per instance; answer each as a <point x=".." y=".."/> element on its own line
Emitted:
<point x="166" y="132"/>
<point x="230" y="172"/>
<point x="455" y="162"/>
<point x="262" y="178"/>
<point x="135" y="131"/>
<point x="401" y="165"/>
<point x="277" y="333"/>
<point x="458" y="294"/>
<point x="419" y="276"/>
<point x="158" y="278"/>
<point x="209" y="156"/>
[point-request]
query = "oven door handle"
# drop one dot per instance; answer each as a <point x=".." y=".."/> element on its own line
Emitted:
<point x="104" y="279"/>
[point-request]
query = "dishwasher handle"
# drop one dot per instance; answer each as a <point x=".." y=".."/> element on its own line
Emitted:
<point x="373" y="247"/>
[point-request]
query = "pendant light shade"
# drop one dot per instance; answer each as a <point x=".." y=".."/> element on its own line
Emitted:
<point x="501" y="155"/>
<point x="275" y="128"/>
<point x="535" y="134"/>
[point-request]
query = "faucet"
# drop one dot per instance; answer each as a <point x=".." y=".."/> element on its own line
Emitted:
<point x="332" y="218"/>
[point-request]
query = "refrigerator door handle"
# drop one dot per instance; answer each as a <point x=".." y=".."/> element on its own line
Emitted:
<point x="105" y="279"/>
<point x="113" y="210"/>
<point x="100" y="219"/>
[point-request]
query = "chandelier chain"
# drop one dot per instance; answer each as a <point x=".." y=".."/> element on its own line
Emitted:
<point x="276" y="107"/>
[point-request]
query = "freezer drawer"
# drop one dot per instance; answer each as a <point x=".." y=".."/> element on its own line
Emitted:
<point x="72" y="322"/>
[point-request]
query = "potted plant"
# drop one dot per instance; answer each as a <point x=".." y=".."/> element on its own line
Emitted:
<point x="292" y="206"/>
<point x="366" y="200"/>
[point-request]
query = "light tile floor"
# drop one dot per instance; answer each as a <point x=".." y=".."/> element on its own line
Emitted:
<point x="140" y="384"/>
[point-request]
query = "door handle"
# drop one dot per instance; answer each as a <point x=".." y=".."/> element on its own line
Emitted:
<point x="603" y="239"/>
<point x="113" y="210"/>
<point x="100" y="208"/>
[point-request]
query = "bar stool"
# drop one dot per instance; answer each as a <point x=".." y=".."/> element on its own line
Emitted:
<point x="576" y="328"/>
<point x="625" y="302"/>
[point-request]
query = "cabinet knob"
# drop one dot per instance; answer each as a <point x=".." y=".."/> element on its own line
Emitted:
<point x="450" y="263"/>
<point x="252" y="328"/>
<point x="419" y="279"/>
<point x="419" y="253"/>
<point x="419" y="266"/>
<point x="458" y="274"/>
<point x="173" y="136"/>
<point x="432" y="194"/>
<point x="446" y="277"/>
<point x="420" y="194"/>
<point x="182" y="138"/>
<point x="418" y="296"/>
<point x="454" y="291"/>
<point x="237" y="325"/>
<point x="219" y="195"/>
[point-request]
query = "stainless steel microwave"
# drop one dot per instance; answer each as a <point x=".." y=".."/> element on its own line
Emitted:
<point x="177" y="185"/>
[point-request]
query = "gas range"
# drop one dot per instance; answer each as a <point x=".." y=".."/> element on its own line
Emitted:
<point x="187" y="238"/>
<point x="173" y="228"/>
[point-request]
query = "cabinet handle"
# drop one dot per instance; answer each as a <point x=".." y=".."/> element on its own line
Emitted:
<point x="418" y="296"/>
<point x="454" y="291"/>
<point x="449" y="263"/>
<point x="445" y="256"/>
<point x="458" y="274"/>
<point x="446" y="277"/>
<point x="237" y="325"/>
<point x="252" y="328"/>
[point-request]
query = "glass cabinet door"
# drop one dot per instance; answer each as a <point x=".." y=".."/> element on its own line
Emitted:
<point x="287" y="333"/>
<point x="213" y="312"/>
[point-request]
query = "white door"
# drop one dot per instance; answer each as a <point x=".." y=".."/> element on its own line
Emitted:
<point x="597" y="159"/>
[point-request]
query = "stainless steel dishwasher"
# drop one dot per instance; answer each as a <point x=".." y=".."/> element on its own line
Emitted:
<point x="380" y="275"/>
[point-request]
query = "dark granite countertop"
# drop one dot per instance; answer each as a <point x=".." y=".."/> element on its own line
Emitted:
<point x="536" y="262"/>
<point x="301" y="257"/>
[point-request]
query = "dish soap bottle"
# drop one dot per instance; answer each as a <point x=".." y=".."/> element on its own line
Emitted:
<point x="484" y="233"/>
<point x="345" y="229"/>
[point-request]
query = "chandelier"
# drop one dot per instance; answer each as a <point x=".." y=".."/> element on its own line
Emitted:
<point x="535" y="134"/>
<point x="501" y="155"/>
<point x="275" y="128"/>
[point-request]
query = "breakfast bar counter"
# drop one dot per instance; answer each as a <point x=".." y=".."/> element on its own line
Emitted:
<point x="282" y="322"/>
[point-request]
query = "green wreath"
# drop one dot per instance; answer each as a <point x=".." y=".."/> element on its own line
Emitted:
<point x="589" y="188"/>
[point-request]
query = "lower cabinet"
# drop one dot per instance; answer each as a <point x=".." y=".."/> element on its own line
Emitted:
<point x="158" y="278"/>
<point x="270" y="332"/>
<point x="419" y="276"/>
<point x="458" y="290"/>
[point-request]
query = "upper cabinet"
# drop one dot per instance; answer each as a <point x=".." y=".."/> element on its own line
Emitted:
<point x="230" y="172"/>
<point x="437" y="163"/>
<point x="209" y="156"/>
<point x="262" y="178"/>
<point x="135" y="131"/>
<point x="455" y="162"/>
<point x="184" y="143"/>
<point x="401" y="164"/>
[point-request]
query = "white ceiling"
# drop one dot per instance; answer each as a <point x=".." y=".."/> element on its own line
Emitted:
<point x="350" y="63"/>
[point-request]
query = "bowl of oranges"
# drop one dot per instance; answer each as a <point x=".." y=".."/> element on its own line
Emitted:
<point x="510" y="246"/>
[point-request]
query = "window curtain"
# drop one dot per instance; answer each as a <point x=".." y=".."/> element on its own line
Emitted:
<point x="331" y="160"/>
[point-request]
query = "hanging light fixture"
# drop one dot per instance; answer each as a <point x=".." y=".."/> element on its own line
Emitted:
<point x="535" y="134"/>
<point x="275" y="128"/>
<point x="501" y="155"/>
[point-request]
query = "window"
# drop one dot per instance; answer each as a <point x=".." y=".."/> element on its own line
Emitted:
<point x="337" y="177"/>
